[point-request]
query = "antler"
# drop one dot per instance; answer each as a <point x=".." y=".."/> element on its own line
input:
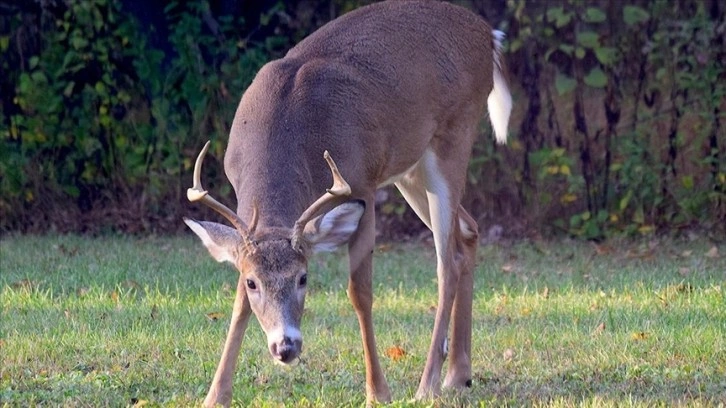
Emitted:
<point x="334" y="195"/>
<point x="197" y="193"/>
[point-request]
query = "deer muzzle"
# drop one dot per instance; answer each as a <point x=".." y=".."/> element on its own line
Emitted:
<point x="285" y="344"/>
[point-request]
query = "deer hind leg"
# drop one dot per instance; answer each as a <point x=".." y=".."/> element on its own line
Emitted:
<point x="360" y="292"/>
<point x="435" y="199"/>
<point x="459" y="372"/>
<point x="220" y="391"/>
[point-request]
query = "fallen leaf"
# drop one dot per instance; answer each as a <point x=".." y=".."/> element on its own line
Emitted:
<point x="684" y="271"/>
<point x="140" y="403"/>
<point x="2" y="343"/>
<point x="114" y="296"/>
<point x="67" y="313"/>
<point x="395" y="353"/>
<point x="385" y="247"/>
<point x="712" y="253"/>
<point x="639" y="336"/>
<point x="686" y="253"/>
<point x="69" y="252"/>
<point x="214" y="316"/>
<point x="23" y="284"/>
<point x="526" y="311"/>
<point x="130" y="284"/>
<point x="601" y="249"/>
<point x="80" y="292"/>
<point x="684" y="288"/>
<point x="507" y="267"/>
<point x="599" y="329"/>
<point x="546" y="292"/>
<point x="508" y="354"/>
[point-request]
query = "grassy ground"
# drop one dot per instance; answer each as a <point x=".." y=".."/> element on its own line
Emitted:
<point x="117" y="321"/>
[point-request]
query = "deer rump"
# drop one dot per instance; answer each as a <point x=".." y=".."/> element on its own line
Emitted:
<point x="394" y="92"/>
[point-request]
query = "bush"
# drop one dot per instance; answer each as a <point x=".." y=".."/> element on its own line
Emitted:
<point x="617" y="125"/>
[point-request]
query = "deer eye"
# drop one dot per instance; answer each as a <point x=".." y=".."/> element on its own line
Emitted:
<point x="251" y="284"/>
<point x="304" y="279"/>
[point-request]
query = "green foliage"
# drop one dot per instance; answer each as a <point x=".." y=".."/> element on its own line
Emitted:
<point x="620" y="131"/>
<point x="103" y="118"/>
<point x="638" y="164"/>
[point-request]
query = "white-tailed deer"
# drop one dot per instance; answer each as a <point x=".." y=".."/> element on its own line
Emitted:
<point x="394" y="92"/>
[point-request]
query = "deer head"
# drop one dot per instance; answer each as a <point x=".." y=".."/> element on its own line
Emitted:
<point x="274" y="261"/>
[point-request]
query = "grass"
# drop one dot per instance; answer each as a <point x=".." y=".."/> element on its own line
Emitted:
<point x="117" y="321"/>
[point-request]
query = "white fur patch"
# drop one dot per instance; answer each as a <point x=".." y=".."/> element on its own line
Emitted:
<point x="437" y="192"/>
<point x="278" y="334"/>
<point x="499" y="102"/>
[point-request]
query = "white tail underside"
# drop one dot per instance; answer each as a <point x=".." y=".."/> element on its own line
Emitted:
<point x="499" y="101"/>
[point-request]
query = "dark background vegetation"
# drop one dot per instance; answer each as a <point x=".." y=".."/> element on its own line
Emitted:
<point x="618" y="126"/>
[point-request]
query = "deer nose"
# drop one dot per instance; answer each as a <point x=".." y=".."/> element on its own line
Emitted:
<point x="286" y="350"/>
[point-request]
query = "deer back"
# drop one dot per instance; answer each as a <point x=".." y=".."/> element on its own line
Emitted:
<point x="372" y="87"/>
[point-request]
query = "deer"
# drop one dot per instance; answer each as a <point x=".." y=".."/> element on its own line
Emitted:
<point x="388" y="94"/>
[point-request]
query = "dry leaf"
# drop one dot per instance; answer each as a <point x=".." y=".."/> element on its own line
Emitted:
<point x="508" y="354"/>
<point x="599" y="329"/>
<point x="69" y="252"/>
<point x="67" y="313"/>
<point x="526" y="311"/>
<point x="130" y="284"/>
<point x="712" y="253"/>
<point x="395" y="353"/>
<point x="140" y="403"/>
<point x="23" y="284"/>
<point x="684" y="271"/>
<point x="214" y="316"/>
<point x="385" y="247"/>
<point x="546" y="292"/>
<point x="114" y="296"/>
<point x="639" y="336"/>
<point x="2" y="343"/>
<point x="499" y="309"/>
<point x="80" y="292"/>
<point x="601" y="249"/>
<point x="686" y="253"/>
<point x="507" y="267"/>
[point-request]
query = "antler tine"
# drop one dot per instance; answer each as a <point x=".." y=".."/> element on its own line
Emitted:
<point x="333" y="196"/>
<point x="197" y="193"/>
<point x="340" y="186"/>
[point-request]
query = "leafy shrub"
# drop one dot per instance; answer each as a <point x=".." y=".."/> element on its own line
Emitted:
<point x="618" y="124"/>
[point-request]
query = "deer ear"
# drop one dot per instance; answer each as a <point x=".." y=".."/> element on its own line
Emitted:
<point x="221" y="241"/>
<point x="334" y="228"/>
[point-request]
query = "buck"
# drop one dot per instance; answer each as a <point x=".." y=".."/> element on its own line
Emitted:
<point x="391" y="93"/>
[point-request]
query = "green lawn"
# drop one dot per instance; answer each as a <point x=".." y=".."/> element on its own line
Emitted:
<point x="116" y="321"/>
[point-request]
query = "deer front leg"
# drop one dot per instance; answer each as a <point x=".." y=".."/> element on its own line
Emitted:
<point x="220" y="392"/>
<point x="360" y="292"/>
